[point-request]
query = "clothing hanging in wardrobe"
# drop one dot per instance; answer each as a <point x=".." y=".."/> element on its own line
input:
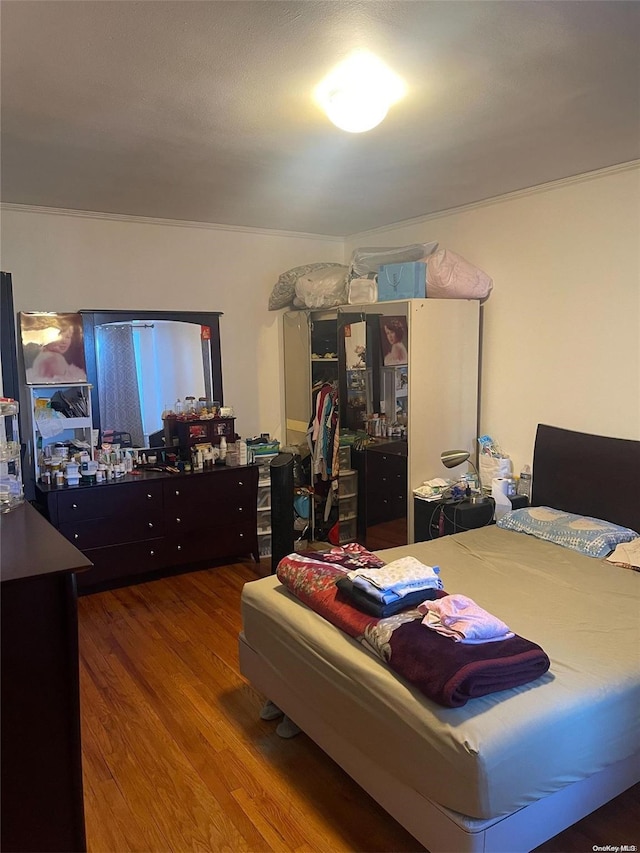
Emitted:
<point x="323" y="432"/>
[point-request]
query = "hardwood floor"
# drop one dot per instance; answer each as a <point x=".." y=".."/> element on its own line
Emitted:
<point x="387" y="534"/>
<point x="177" y="759"/>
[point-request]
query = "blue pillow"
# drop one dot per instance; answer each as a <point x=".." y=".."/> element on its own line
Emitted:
<point x="590" y="536"/>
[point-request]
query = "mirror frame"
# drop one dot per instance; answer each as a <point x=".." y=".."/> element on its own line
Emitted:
<point x="98" y="317"/>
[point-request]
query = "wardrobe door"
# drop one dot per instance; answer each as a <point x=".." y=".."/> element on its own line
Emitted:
<point x="297" y="374"/>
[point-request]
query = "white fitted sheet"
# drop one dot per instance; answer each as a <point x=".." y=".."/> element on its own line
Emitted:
<point x="502" y="751"/>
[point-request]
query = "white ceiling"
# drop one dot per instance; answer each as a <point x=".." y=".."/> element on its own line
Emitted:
<point x="202" y="110"/>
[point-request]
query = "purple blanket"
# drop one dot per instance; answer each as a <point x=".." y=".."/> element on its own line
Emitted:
<point x="447" y="672"/>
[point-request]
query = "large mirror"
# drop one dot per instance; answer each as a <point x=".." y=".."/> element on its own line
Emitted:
<point x="141" y="362"/>
<point x="374" y="400"/>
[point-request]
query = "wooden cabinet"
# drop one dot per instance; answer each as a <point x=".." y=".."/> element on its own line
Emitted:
<point x="153" y="521"/>
<point x="42" y="801"/>
<point x="382" y="507"/>
<point x="186" y="433"/>
<point x="386" y="482"/>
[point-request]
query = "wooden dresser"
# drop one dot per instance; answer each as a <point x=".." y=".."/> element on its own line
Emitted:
<point x="42" y="802"/>
<point x="150" y="521"/>
<point x="382" y="494"/>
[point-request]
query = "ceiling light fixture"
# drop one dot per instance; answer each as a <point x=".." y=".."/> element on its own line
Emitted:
<point x="357" y="94"/>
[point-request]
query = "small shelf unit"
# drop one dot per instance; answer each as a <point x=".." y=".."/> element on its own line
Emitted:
<point x="264" y="503"/>
<point x="49" y="427"/>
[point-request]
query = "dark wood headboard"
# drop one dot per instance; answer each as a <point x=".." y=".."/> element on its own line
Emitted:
<point x="587" y="474"/>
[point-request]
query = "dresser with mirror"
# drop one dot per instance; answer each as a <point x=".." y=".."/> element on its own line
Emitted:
<point x="139" y="364"/>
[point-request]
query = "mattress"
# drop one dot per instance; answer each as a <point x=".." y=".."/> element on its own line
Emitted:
<point x="503" y="751"/>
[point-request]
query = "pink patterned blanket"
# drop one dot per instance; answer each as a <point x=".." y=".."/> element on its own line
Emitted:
<point x="447" y="672"/>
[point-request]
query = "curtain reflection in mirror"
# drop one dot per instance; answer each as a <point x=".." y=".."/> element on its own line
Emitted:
<point x="118" y="388"/>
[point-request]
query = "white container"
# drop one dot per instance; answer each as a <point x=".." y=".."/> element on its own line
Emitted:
<point x="72" y="473"/>
<point x="11" y="489"/>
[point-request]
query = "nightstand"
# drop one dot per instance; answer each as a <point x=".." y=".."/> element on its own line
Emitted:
<point x="442" y="518"/>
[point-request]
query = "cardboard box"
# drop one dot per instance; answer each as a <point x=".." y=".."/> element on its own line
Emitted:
<point x="402" y="281"/>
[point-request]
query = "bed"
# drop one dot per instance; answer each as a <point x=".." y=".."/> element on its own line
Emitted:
<point x="508" y="770"/>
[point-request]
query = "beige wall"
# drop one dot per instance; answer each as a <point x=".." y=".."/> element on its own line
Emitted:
<point x="562" y="326"/>
<point x="65" y="262"/>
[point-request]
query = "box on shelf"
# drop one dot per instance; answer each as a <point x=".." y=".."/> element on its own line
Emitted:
<point x="266" y="448"/>
<point x="402" y="281"/>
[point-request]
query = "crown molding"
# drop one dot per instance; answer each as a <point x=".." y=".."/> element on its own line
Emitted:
<point x="175" y="223"/>
<point x="268" y="232"/>
<point x="500" y="199"/>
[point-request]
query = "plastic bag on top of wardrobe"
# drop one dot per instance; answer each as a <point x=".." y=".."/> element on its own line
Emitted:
<point x="323" y="288"/>
<point x="284" y="290"/>
<point x="368" y="260"/>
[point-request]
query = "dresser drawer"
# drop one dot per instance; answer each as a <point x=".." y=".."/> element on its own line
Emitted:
<point x="231" y="540"/>
<point x="120" y="561"/>
<point x="185" y="519"/>
<point x="108" y="500"/>
<point x="211" y="493"/>
<point x="98" y="532"/>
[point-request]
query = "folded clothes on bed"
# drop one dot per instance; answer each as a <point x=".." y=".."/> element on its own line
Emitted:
<point x="396" y="580"/>
<point x="404" y="573"/>
<point x="462" y="620"/>
<point x="448" y="673"/>
<point x="393" y="596"/>
<point x="360" y="599"/>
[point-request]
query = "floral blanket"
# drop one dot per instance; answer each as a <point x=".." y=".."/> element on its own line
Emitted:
<point x="447" y="672"/>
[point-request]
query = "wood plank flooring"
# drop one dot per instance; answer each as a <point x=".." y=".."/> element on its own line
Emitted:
<point x="175" y="755"/>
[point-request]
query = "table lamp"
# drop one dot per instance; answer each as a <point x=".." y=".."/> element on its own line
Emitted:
<point x="453" y="458"/>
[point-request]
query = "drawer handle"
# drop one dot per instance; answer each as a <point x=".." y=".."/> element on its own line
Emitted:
<point x="240" y="509"/>
<point x="242" y="535"/>
<point x="76" y="535"/>
<point x="177" y="491"/>
<point x="178" y="520"/>
<point x="149" y="496"/>
<point x="152" y="553"/>
<point x="150" y="524"/>
<point x="74" y="506"/>
<point x="179" y="547"/>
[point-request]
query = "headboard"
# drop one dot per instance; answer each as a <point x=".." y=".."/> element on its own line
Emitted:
<point x="587" y="474"/>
